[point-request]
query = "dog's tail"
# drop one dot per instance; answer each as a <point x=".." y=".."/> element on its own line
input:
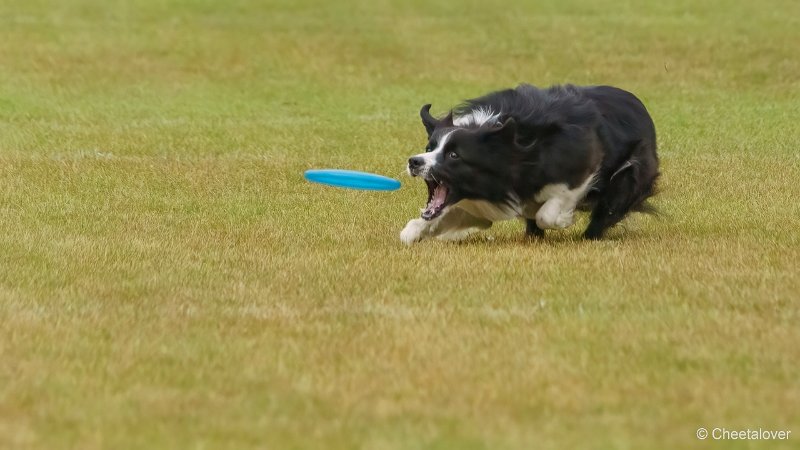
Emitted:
<point x="647" y="207"/>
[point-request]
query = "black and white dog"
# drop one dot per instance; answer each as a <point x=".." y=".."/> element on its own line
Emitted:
<point x="535" y="154"/>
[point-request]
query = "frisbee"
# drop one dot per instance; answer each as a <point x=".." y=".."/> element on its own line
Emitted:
<point x="352" y="179"/>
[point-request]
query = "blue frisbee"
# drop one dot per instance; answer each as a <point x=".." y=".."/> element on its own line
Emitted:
<point x="352" y="179"/>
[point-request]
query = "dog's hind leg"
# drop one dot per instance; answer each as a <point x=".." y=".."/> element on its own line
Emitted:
<point x="627" y="190"/>
<point x="454" y="224"/>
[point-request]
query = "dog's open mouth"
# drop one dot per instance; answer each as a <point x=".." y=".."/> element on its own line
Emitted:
<point x="437" y="200"/>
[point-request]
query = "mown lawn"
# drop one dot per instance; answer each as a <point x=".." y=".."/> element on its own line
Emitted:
<point x="168" y="280"/>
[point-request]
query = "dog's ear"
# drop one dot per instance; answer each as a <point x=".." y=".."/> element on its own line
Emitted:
<point x="448" y="120"/>
<point x="431" y="123"/>
<point x="503" y="131"/>
<point x="427" y="119"/>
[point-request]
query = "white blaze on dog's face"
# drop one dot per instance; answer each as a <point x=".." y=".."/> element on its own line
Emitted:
<point x="420" y="165"/>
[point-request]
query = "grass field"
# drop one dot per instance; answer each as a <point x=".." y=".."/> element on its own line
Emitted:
<point x="168" y="280"/>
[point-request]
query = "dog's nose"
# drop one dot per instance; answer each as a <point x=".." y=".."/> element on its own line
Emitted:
<point x="415" y="162"/>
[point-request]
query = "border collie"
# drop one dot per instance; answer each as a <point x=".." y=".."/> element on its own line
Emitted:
<point x="535" y="154"/>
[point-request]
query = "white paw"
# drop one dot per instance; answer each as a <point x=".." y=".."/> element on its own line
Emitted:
<point x="413" y="231"/>
<point x="549" y="218"/>
<point x="565" y="219"/>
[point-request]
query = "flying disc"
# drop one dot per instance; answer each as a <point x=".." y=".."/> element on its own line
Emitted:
<point x="352" y="179"/>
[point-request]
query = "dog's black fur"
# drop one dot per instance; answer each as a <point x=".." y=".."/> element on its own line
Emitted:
<point x="539" y="137"/>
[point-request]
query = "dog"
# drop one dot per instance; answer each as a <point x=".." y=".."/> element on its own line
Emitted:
<point x="538" y="155"/>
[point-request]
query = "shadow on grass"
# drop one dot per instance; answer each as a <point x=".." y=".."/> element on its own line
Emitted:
<point x="554" y="238"/>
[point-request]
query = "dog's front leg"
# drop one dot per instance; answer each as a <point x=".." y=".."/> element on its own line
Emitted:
<point x="454" y="224"/>
<point x="416" y="230"/>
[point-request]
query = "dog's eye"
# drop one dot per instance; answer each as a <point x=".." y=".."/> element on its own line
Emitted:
<point x="452" y="155"/>
<point x="431" y="146"/>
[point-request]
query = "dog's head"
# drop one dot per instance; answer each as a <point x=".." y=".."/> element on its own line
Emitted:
<point x="464" y="163"/>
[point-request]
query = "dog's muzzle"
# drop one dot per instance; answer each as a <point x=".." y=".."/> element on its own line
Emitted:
<point x="438" y="194"/>
<point x="415" y="165"/>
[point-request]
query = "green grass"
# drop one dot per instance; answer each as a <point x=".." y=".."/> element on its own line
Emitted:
<point x="168" y="280"/>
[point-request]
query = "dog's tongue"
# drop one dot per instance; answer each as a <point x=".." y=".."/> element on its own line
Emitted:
<point x="439" y="196"/>
<point x="437" y="201"/>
